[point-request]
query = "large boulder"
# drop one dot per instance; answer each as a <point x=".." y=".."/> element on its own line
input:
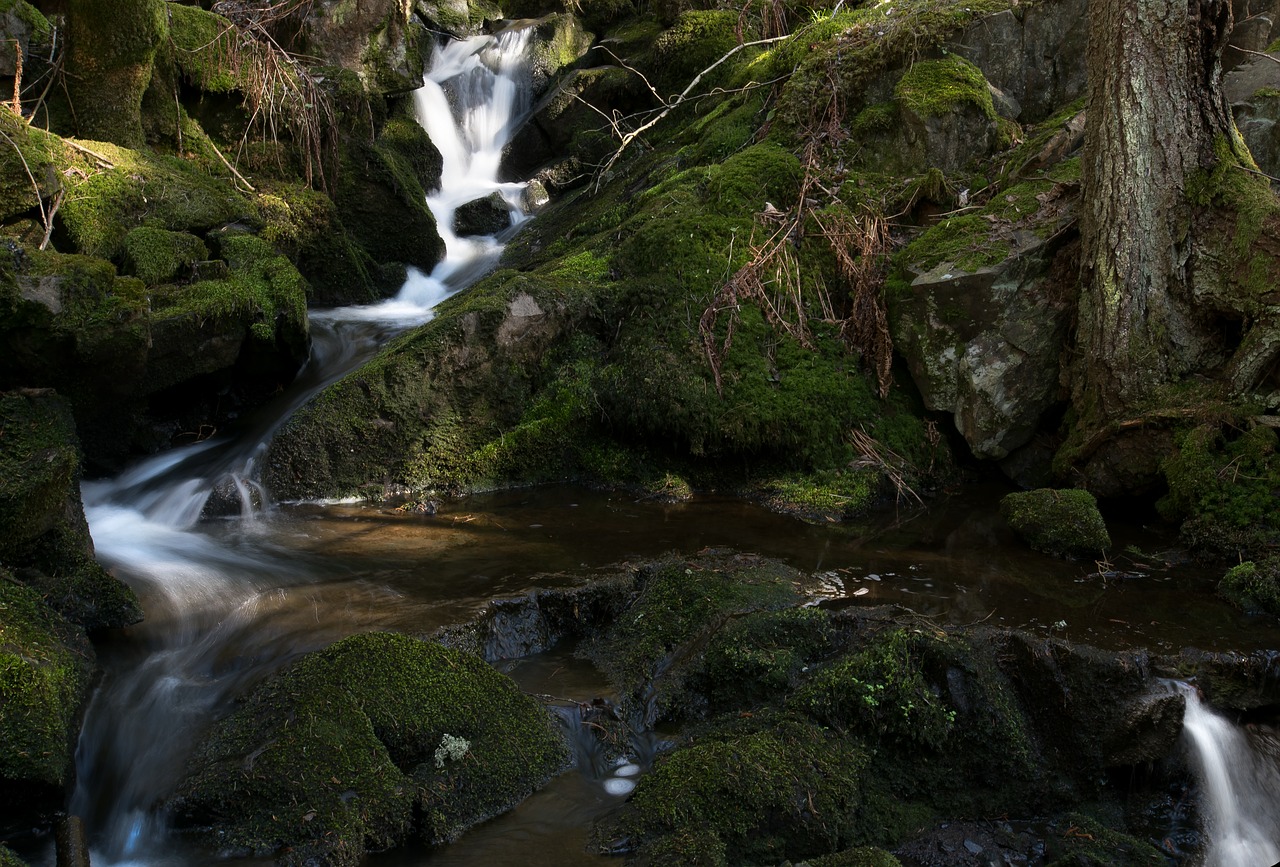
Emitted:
<point x="1253" y="89"/>
<point x="485" y="216"/>
<point x="377" y="739"/>
<point x="983" y="321"/>
<point x="1034" y="54"/>
<point x="379" y="39"/>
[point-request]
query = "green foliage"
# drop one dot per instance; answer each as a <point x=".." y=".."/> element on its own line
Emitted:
<point x="936" y="87"/>
<point x="159" y="256"/>
<point x="861" y="856"/>
<point x="880" y="692"/>
<point x="8" y="859"/>
<point x="1060" y="522"/>
<point x="341" y="748"/>
<point x="1253" y="586"/>
<point x="44" y="676"/>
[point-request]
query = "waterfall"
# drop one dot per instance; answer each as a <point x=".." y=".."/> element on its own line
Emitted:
<point x="1241" y="787"/>
<point x="209" y="587"/>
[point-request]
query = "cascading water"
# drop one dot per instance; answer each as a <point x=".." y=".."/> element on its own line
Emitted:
<point x="1241" y="787"/>
<point x="208" y="586"/>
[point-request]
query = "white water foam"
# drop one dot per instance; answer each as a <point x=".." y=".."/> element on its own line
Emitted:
<point x="1241" y="788"/>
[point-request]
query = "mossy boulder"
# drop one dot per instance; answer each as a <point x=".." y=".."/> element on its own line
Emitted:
<point x="1253" y="586"/>
<point x="106" y="200"/>
<point x="754" y="790"/>
<point x="379" y="39"/>
<point x="557" y="42"/>
<point x="45" y="669"/>
<point x="28" y="149"/>
<point x="366" y="744"/>
<point x="653" y="652"/>
<point x="158" y="256"/>
<point x="859" y="856"/>
<point x="46" y="541"/>
<point x="1065" y="523"/>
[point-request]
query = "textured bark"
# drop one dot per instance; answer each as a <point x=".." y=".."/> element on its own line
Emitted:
<point x="111" y="45"/>
<point x="1155" y="109"/>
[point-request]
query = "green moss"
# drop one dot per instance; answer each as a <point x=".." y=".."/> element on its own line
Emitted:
<point x="1082" y="841"/>
<point x="880" y="692"/>
<point x="762" y="656"/>
<point x="935" y="87"/>
<point x="29" y="15"/>
<point x="861" y="856"/>
<point x="44" y="677"/>
<point x="1059" y="522"/>
<point x="104" y="204"/>
<point x="204" y="44"/>
<point x="304" y="224"/>
<point x="982" y="239"/>
<point x="697" y="39"/>
<point x="1253" y="586"/>
<point x="679" y="604"/>
<point x="159" y="256"/>
<point x="264" y="289"/>
<point x="832" y="495"/>
<point x="1221" y="487"/>
<point x="27" y="150"/>
<point x="45" y="530"/>
<point x="765" y="789"/>
<point x="338" y="753"/>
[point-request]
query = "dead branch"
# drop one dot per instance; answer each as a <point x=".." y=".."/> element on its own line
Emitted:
<point x="675" y="102"/>
<point x="53" y="210"/>
<point x="248" y="187"/>
<point x="17" y="78"/>
<point x="102" y="161"/>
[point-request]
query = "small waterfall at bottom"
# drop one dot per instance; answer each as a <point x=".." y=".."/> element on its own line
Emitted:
<point x="1239" y="772"/>
<point x="222" y="597"/>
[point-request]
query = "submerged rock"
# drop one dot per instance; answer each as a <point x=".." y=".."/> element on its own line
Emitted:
<point x="1065" y="523"/>
<point x="363" y="745"/>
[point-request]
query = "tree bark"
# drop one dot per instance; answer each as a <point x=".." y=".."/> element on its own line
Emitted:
<point x="111" y="45"/>
<point x="1155" y="111"/>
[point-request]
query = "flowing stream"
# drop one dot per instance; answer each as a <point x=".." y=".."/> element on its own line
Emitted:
<point x="209" y="586"/>
<point x="1239" y="773"/>
<point x="234" y="587"/>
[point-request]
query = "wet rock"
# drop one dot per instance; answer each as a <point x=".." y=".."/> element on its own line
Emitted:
<point x="535" y="197"/>
<point x="1231" y="680"/>
<point x="557" y="43"/>
<point x="485" y="216"/>
<point x="45" y="668"/>
<point x="1147" y="730"/>
<point x="1253" y="586"/>
<point x="1064" y="523"/>
<point x="363" y="745"/>
<point x="448" y="16"/>
<point x="377" y="38"/>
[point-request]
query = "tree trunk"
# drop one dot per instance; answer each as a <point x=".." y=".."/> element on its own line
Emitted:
<point x="1155" y="110"/>
<point x="111" y="45"/>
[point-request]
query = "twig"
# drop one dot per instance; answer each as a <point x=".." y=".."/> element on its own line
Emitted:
<point x="17" y="79"/>
<point x="53" y="209"/>
<point x="103" y="161"/>
<point x="676" y="102"/>
<point x="231" y="168"/>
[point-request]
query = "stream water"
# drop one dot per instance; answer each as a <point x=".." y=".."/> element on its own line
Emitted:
<point x="234" y="586"/>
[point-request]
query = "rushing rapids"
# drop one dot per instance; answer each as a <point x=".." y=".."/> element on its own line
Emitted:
<point x="209" y="586"/>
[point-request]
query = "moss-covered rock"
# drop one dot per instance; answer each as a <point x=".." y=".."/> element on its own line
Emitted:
<point x="158" y="256"/>
<point x="653" y="651"/>
<point x="756" y="790"/>
<point x="859" y="856"/>
<point x="9" y="859"/>
<point x="364" y="744"/>
<point x="46" y="539"/>
<point x="1253" y="586"/>
<point x="1065" y="523"/>
<point x="45" y="667"/>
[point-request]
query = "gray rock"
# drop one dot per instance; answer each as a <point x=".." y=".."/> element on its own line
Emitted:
<point x="1253" y="89"/>
<point x="984" y="345"/>
<point x="535" y="197"/>
<point x="1036" y="56"/>
<point x="482" y="216"/>
<point x="558" y="42"/>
